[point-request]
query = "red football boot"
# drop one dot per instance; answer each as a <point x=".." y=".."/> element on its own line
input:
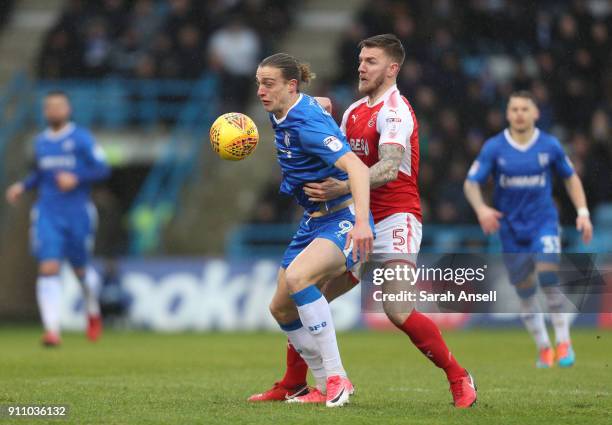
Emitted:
<point x="280" y="393"/>
<point x="51" y="339"/>
<point x="339" y="389"/>
<point x="464" y="391"/>
<point x="94" y="328"/>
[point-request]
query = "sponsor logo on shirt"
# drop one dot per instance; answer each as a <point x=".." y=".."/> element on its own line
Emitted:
<point x="536" y="180"/>
<point x="58" y="161"/>
<point x="360" y="146"/>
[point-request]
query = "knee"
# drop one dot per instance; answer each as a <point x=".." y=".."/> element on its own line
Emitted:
<point x="548" y="279"/>
<point x="282" y="313"/>
<point x="525" y="289"/>
<point x="49" y="268"/>
<point x="295" y="280"/>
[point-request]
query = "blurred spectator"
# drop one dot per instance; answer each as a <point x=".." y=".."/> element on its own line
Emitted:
<point x="6" y="8"/>
<point x="96" y="50"/>
<point x="190" y="52"/>
<point x="60" y="56"/>
<point x="235" y="49"/>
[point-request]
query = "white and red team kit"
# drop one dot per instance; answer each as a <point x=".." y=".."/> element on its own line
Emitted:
<point x="396" y="206"/>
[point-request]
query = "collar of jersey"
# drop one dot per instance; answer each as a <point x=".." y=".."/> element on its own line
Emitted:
<point x="280" y="120"/>
<point x="384" y="97"/>
<point x="518" y="146"/>
<point x="56" y="135"/>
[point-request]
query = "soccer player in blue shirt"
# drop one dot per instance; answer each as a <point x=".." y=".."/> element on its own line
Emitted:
<point x="332" y="235"/>
<point x="522" y="160"/>
<point x="68" y="161"/>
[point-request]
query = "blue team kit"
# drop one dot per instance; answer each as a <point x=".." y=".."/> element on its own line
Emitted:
<point x="523" y="193"/>
<point x="63" y="223"/>
<point x="308" y="143"/>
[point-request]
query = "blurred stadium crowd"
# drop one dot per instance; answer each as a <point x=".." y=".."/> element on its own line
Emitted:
<point x="163" y="39"/>
<point x="463" y="60"/>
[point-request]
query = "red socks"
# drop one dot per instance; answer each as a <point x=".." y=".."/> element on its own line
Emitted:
<point x="421" y="330"/>
<point x="297" y="369"/>
<point x="425" y="334"/>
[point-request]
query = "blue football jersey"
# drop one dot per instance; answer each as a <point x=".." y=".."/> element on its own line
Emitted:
<point x="308" y="144"/>
<point x="72" y="149"/>
<point x="523" y="178"/>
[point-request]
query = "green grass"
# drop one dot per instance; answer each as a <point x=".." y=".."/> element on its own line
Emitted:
<point x="146" y="378"/>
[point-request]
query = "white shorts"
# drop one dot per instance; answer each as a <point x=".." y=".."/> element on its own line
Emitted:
<point x="398" y="234"/>
<point x="398" y="238"/>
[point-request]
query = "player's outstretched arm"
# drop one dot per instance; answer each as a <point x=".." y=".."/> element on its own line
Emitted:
<point x="575" y="191"/>
<point x="384" y="171"/>
<point x="359" y="177"/>
<point x="487" y="217"/>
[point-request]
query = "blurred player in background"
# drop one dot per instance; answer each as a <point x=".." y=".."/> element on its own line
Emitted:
<point x="522" y="160"/>
<point x="383" y="132"/>
<point x="63" y="224"/>
<point x="332" y="235"/>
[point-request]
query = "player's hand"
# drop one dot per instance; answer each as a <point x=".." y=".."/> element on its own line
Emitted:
<point x="328" y="189"/>
<point x="489" y="219"/>
<point x="66" y="181"/>
<point x="14" y="192"/>
<point x="363" y="240"/>
<point x="583" y="225"/>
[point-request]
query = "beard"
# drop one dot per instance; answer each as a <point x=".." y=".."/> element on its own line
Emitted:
<point x="373" y="85"/>
<point x="56" y="123"/>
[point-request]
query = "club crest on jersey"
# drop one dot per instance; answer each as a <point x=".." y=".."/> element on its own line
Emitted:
<point x="543" y="159"/>
<point x="68" y="145"/>
<point x="287" y="139"/>
<point x="372" y="121"/>
<point x="333" y="143"/>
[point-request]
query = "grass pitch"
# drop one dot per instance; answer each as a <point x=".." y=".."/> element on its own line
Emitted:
<point x="146" y="378"/>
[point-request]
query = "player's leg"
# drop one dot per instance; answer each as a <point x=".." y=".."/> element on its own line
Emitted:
<point x="47" y="246"/>
<point x="80" y="242"/>
<point x="293" y="383"/>
<point x="519" y="261"/>
<point x="402" y="233"/>
<point x="49" y="298"/>
<point x="548" y="247"/>
<point x="533" y="319"/>
<point x="284" y="310"/>
<point x="321" y="261"/>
